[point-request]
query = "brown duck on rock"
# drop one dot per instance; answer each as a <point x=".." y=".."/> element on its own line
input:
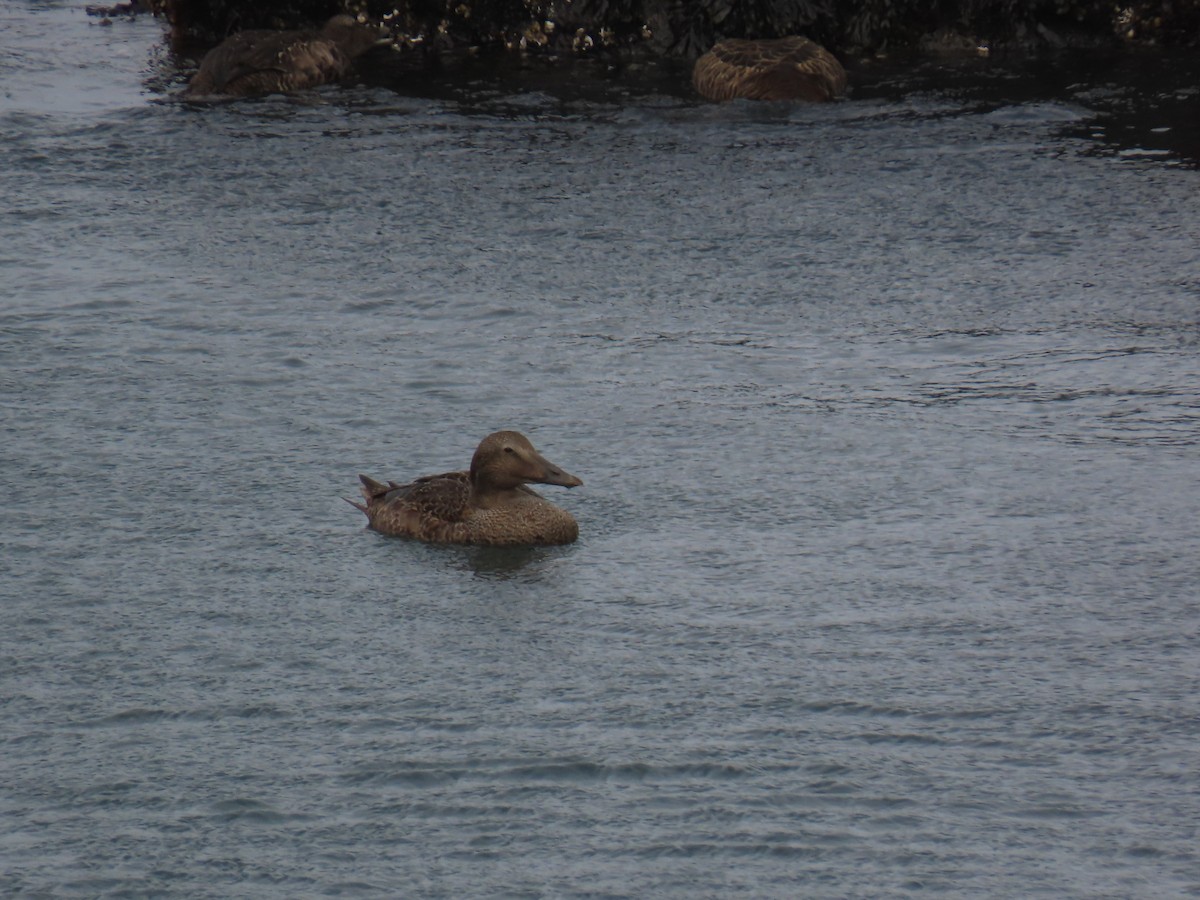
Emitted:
<point x="490" y="504"/>
<point x="790" y="68"/>
<point x="257" y="62"/>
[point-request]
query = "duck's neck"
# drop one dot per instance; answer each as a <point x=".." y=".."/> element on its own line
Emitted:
<point x="490" y="496"/>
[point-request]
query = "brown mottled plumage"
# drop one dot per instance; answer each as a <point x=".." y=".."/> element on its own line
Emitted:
<point x="790" y="68"/>
<point x="275" y="62"/>
<point x="490" y="504"/>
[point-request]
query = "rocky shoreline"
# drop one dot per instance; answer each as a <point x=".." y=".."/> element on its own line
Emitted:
<point x="437" y="31"/>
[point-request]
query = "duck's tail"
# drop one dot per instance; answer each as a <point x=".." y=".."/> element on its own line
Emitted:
<point x="371" y="490"/>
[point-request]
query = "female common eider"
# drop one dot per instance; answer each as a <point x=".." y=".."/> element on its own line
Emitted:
<point x="257" y="62"/>
<point x="790" y="68"/>
<point x="489" y="504"/>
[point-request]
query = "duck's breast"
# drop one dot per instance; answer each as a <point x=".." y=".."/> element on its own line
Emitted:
<point x="528" y="519"/>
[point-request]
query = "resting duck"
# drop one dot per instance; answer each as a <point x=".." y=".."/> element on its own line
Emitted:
<point x="276" y="62"/>
<point x="790" y="68"/>
<point x="490" y="504"/>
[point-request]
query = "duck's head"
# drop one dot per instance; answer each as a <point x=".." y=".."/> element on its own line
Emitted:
<point x="354" y="37"/>
<point x="506" y="459"/>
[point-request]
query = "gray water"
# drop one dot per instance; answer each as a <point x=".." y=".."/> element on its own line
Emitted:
<point x="888" y="416"/>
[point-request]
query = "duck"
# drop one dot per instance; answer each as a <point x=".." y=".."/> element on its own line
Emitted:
<point x="488" y="504"/>
<point x="789" y="68"/>
<point x="256" y="62"/>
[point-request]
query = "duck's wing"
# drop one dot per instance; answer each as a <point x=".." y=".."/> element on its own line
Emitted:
<point x="786" y="68"/>
<point x="253" y="62"/>
<point x="442" y="497"/>
<point x="430" y="508"/>
<point x="234" y="58"/>
<point x="759" y="56"/>
<point x="310" y="61"/>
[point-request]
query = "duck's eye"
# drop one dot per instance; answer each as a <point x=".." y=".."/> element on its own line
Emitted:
<point x="508" y="449"/>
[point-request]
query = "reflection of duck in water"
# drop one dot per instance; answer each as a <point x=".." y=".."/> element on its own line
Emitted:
<point x="490" y="504"/>
<point x="790" y="68"/>
<point x="276" y="62"/>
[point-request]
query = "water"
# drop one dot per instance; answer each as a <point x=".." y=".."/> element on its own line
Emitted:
<point x="887" y="416"/>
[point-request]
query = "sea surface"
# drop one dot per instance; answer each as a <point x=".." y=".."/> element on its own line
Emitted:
<point x="887" y="413"/>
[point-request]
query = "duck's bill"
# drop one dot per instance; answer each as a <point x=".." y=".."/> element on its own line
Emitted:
<point x="566" y="479"/>
<point x="552" y="474"/>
